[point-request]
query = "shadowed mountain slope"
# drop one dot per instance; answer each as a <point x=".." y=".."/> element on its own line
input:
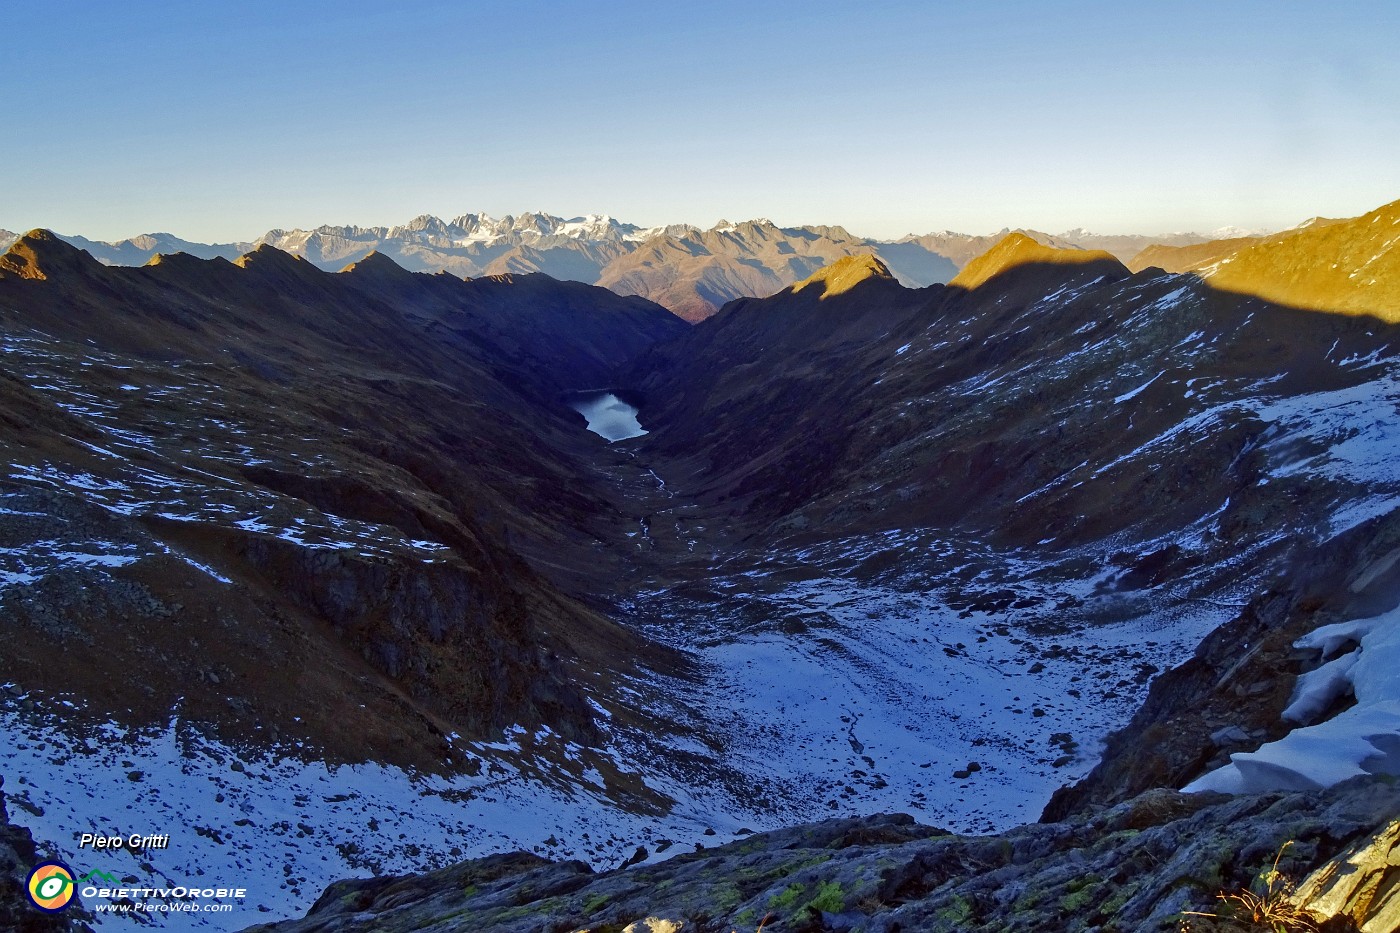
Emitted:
<point x="1119" y="447"/>
<point x="1038" y="394"/>
<point x="1186" y="443"/>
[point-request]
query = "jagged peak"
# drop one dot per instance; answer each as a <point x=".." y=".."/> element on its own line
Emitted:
<point x="180" y="260"/>
<point x="375" y="263"/>
<point x="756" y="224"/>
<point x="40" y="253"/>
<point x="1017" y="249"/>
<point x="831" y="231"/>
<point x="845" y="274"/>
<point x="266" y="254"/>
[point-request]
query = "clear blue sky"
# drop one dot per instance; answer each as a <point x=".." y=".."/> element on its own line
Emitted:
<point x="218" y="121"/>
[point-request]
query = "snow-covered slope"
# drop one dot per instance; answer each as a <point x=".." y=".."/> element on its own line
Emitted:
<point x="835" y="691"/>
<point x="283" y="825"/>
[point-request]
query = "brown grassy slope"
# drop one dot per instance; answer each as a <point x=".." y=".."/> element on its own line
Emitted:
<point x="1188" y="258"/>
<point x="1348" y="267"/>
<point x="1016" y="250"/>
<point x="1195" y="257"/>
<point x="845" y="274"/>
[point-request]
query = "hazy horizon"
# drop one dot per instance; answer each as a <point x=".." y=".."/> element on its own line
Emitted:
<point x="448" y="216"/>
<point x="218" y="124"/>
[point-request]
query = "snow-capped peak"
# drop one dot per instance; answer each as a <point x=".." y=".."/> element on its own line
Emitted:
<point x="1231" y="232"/>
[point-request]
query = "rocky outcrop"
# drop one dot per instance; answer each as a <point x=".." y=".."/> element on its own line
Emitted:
<point x="1134" y="867"/>
<point x="17" y="856"/>
<point x="1361" y="884"/>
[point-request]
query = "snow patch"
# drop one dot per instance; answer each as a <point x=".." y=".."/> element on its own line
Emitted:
<point x="1136" y="392"/>
<point x="1364" y="739"/>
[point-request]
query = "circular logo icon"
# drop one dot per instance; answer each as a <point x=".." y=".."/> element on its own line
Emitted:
<point x="50" y="886"/>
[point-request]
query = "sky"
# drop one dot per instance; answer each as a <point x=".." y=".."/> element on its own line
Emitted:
<point x="218" y="121"/>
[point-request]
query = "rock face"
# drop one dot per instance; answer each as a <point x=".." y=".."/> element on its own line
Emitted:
<point x="1136" y="866"/>
<point x="1361" y="883"/>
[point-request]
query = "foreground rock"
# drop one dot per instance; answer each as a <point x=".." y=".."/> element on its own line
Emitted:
<point x="17" y="856"/>
<point x="1136" y="866"/>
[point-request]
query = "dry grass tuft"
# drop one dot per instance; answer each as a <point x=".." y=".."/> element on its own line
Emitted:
<point x="1271" y="909"/>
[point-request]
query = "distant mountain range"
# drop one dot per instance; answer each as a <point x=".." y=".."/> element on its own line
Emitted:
<point x="692" y="271"/>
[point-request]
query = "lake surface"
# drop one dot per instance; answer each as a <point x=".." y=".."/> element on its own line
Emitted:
<point x="608" y="416"/>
